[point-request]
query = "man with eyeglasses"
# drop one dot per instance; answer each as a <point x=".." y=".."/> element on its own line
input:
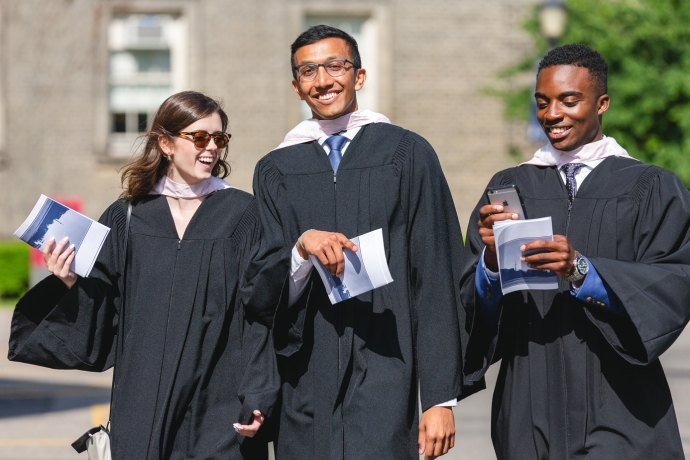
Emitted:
<point x="351" y="372"/>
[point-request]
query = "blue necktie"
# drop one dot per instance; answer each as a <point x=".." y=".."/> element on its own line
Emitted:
<point x="335" y="143"/>
<point x="570" y="169"/>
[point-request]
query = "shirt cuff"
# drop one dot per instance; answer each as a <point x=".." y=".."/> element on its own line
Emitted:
<point x="489" y="293"/>
<point x="594" y="292"/>
<point x="452" y="403"/>
<point x="299" y="276"/>
<point x="299" y="268"/>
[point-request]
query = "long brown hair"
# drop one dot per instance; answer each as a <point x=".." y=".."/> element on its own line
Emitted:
<point x="174" y="115"/>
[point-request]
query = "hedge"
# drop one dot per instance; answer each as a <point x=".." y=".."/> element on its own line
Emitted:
<point x="14" y="269"/>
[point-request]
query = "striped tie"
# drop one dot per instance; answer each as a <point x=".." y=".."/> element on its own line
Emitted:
<point x="570" y="169"/>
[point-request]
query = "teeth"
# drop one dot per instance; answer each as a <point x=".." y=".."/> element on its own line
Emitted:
<point x="557" y="129"/>
<point x="206" y="160"/>
<point x="327" y="96"/>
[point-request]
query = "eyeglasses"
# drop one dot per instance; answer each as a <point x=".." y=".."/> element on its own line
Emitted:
<point x="334" y="68"/>
<point x="201" y="139"/>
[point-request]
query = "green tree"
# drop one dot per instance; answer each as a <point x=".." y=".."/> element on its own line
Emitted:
<point x="647" y="46"/>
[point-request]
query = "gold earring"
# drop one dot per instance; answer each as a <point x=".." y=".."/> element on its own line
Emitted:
<point x="168" y="157"/>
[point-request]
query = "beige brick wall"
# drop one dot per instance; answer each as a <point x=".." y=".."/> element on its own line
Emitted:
<point x="441" y="53"/>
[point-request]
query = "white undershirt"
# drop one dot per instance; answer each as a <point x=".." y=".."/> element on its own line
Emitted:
<point x="300" y="268"/>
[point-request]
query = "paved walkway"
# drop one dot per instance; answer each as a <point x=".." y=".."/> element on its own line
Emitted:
<point x="42" y="411"/>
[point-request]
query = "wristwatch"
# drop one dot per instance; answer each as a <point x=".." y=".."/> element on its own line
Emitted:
<point x="580" y="269"/>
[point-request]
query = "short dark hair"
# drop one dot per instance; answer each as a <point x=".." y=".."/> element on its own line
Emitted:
<point x="321" y="32"/>
<point x="579" y="56"/>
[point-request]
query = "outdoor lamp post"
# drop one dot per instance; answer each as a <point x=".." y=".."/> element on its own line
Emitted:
<point x="553" y="18"/>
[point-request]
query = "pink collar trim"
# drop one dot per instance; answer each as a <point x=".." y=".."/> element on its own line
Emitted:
<point x="173" y="189"/>
<point x="313" y="129"/>
<point x="549" y="156"/>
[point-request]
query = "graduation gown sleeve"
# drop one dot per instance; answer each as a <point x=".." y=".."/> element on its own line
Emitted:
<point x="435" y="245"/>
<point x="265" y="285"/>
<point x="260" y="383"/>
<point x="75" y="328"/>
<point x="483" y="337"/>
<point x="654" y="287"/>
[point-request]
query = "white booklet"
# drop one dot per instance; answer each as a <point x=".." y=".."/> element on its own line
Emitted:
<point x="52" y="219"/>
<point x="515" y="275"/>
<point x="365" y="269"/>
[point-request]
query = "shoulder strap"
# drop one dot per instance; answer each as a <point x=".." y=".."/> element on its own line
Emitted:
<point x="119" y="341"/>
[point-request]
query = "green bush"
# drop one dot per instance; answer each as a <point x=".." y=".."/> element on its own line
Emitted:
<point x="14" y="269"/>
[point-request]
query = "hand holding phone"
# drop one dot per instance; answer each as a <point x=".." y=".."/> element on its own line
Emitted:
<point x="509" y="197"/>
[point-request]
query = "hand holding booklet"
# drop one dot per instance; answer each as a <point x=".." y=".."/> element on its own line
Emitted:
<point x="515" y="275"/>
<point x="52" y="219"/>
<point x="365" y="269"/>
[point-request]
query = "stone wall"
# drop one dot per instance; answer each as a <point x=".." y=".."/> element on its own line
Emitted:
<point x="436" y="57"/>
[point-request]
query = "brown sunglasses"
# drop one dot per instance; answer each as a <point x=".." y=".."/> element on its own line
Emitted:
<point x="201" y="138"/>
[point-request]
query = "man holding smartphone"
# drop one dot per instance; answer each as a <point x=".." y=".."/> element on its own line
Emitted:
<point x="580" y="375"/>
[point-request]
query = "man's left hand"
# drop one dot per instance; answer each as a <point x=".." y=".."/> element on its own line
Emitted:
<point x="436" y="432"/>
<point x="557" y="255"/>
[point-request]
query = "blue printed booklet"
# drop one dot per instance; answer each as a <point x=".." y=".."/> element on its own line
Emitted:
<point x="52" y="219"/>
<point x="516" y="275"/>
<point x="365" y="269"/>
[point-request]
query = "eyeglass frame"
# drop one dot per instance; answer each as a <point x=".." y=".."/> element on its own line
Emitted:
<point x="211" y="136"/>
<point x="297" y="68"/>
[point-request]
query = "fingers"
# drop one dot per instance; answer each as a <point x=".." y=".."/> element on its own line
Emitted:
<point x="346" y="243"/>
<point x="490" y="214"/>
<point x="58" y="260"/>
<point x="328" y="248"/>
<point x="250" y="430"/>
<point x="66" y="259"/>
<point x="436" y="432"/>
<point x="557" y="255"/>
<point x="421" y="439"/>
<point x="47" y="249"/>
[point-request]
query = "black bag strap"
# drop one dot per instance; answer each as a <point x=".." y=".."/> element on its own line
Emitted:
<point x="119" y="341"/>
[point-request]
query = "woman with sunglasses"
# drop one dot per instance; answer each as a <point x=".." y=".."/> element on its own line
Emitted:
<point x="194" y="365"/>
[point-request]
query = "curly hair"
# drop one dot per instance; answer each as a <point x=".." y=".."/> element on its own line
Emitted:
<point x="579" y="56"/>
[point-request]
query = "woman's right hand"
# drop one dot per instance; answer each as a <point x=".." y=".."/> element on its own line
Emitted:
<point x="58" y="262"/>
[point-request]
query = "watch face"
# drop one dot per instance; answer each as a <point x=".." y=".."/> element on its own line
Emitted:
<point x="582" y="265"/>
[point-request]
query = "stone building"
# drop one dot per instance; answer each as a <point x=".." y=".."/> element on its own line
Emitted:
<point x="80" y="78"/>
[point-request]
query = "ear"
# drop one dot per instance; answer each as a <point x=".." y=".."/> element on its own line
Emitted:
<point x="165" y="144"/>
<point x="360" y="78"/>
<point x="603" y="104"/>
<point x="295" y="86"/>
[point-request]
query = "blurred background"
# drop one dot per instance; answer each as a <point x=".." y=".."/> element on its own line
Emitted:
<point x="81" y="79"/>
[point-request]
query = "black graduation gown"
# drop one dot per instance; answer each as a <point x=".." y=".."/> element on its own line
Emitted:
<point x="194" y="358"/>
<point x="349" y="371"/>
<point x="578" y="381"/>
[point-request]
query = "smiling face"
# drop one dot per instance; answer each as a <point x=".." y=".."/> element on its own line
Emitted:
<point x="190" y="165"/>
<point x="328" y="97"/>
<point x="568" y="106"/>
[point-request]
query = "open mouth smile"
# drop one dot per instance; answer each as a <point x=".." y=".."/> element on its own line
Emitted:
<point x="327" y="98"/>
<point x="557" y="132"/>
<point x="206" y="160"/>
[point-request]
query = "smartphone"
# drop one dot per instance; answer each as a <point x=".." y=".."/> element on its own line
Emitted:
<point x="509" y="197"/>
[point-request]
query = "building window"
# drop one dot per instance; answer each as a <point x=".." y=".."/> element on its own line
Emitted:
<point x="365" y="30"/>
<point x="145" y="67"/>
